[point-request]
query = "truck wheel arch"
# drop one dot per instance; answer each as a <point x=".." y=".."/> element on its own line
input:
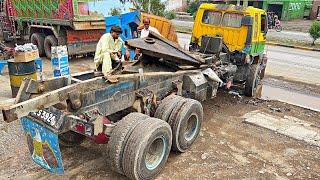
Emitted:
<point x="47" y="30"/>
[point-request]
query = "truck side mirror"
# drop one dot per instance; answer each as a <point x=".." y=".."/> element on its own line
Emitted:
<point x="247" y="21"/>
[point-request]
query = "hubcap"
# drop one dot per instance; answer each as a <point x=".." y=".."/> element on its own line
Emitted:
<point x="156" y="153"/>
<point x="191" y="127"/>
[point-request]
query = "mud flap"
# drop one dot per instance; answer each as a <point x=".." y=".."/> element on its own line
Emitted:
<point x="43" y="145"/>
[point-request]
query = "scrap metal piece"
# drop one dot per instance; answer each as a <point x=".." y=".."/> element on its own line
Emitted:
<point x="157" y="46"/>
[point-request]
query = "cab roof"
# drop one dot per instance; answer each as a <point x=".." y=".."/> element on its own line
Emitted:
<point x="230" y="8"/>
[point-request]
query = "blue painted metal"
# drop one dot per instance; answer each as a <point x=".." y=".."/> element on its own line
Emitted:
<point x="129" y="23"/>
<point x="43" y="145"/>
<point x="21" y="68"/>
<point x="39" y="65"/>
<point x="3" y="64"/>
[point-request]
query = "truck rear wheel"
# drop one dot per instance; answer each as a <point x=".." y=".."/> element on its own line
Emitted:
<point x="70" y="139"/>
<point x="49" y="41"/>
<point x="185" y="121"/>
<point x="147" y="149"/>
<point x="253" y="80"/>
<point x="166" y="106"/>
<point x="38" y="40"/>
<point x="119" y="138"/>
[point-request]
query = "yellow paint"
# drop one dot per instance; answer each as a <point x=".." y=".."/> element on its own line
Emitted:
<point x="233" y="37"/>
<point x="15" y="81"/>
<point x="163" y="25"/>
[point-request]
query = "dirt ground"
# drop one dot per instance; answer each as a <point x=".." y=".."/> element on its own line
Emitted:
<point x="300" y="25"/>
<point x="227" y="148"/>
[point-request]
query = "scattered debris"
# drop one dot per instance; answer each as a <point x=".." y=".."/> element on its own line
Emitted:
<point x="289" y="174"/>
<point x="204" y="156"/>
<point x="275" y="109"/>
<point x="25" y="48"/>
<point x="235" y="93"/>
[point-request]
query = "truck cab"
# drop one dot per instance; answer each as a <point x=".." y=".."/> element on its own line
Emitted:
<point x="243" y="31"/>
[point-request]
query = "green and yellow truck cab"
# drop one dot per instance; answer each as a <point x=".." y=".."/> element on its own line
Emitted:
<point x="243" y="32"/>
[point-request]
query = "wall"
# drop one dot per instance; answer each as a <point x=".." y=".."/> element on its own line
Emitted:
<point x="291" y="9"/>
<point x="173" y="4"/>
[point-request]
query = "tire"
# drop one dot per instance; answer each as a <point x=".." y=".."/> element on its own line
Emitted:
<point x="49" y="41"/>
<point x="38" y="39"/>
<point x="263" y="72"/>
<point x="253" y="80"/>
<point x="71" y="139"/>
<point x="166" y="106"/>
<point x="119" y="137"/>
<point x="6" y="36"/>
<point x="147" y="149"/>
<point x="278" y="28"/>
<point x="185" y="122"/>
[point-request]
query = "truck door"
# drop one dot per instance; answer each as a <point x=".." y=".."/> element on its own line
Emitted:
<point x="262" y="32"/>
<point x="255" y="39"/>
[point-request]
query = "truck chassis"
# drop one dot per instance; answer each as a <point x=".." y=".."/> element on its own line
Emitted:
<point x="142" y="109"/>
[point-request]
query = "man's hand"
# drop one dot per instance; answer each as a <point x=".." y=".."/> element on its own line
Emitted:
<point x="119" y="54"/>
<point x="127" y="55"/>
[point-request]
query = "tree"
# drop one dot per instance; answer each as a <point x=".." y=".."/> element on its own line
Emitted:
<point x="115" y="11"/>
<point x="193" y="7"/>
<point x="314" y="31"/>
<point x="156" y="6"/>
<point x="169" y="14"/>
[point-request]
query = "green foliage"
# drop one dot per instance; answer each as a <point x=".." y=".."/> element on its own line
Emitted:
<point x="169" y="14"/>
<point x="193" y="7"/>
<point x="115" y="12"/>
<point x="314" y="31"/>
<point x="156" y="6"/>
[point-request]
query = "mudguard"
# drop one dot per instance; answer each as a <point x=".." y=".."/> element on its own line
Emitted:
<point x="43" y="145"/>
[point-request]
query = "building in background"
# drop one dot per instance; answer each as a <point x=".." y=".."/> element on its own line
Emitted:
<point x="288" y="9"/>
<point x="285" y="9"/>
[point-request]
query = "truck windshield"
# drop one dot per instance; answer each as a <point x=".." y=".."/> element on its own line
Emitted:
<point x="211" y="17"/>
<point x="232" y="20"/>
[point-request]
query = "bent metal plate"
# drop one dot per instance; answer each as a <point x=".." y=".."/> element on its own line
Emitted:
<point x="43" y="145"/>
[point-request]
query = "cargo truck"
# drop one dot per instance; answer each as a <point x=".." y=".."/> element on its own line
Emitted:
<point x="51" y="23"/>
<point x="67" y="22"/>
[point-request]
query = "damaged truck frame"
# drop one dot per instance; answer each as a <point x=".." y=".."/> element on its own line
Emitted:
<point x="143" y="109"/>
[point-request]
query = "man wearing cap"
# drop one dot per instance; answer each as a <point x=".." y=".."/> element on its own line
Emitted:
<point x="108" y="50"/>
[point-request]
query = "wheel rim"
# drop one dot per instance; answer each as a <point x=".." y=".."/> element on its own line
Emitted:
<point x="191" y="127"/>
<point x="156" y="153"/>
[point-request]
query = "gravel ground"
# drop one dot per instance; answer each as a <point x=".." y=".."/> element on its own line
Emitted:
<point x="226" y="147"/>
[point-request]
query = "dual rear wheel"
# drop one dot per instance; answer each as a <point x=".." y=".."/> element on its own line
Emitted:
<point x="140" y="145"/>
<point x="44" y="43"/>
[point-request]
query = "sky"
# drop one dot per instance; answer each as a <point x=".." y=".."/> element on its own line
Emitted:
<point x="105" y="6"/>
